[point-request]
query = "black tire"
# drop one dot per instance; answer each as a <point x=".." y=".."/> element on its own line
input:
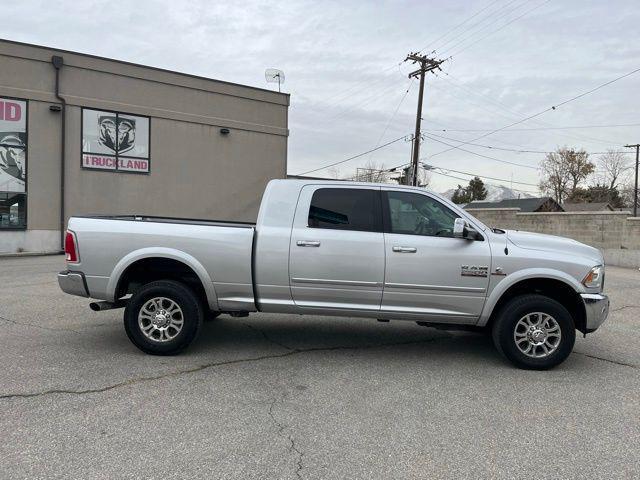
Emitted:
<point x="507" y="320"/>
<point x="189" y="304"/>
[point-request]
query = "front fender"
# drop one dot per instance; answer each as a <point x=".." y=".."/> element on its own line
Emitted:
<point x="526" y="274"/>
<point x="161" y="252"/>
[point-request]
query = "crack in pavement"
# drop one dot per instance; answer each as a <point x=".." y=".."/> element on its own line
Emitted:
<point x="41" y="327"/>
<point x="269" y="339"/>
<point x="205" y="366"/>
<point x="608" y="360"/>
<point x="292" y="444"/>
<point x="623" y="307"/>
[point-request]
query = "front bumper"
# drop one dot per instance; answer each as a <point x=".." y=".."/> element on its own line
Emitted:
<point x="596" y="306"/>
<point x="73" y="283"/>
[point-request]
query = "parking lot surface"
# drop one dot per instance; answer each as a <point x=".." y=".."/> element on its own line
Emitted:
<point x="286" y="397"/>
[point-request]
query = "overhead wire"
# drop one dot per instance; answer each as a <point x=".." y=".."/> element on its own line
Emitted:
<point x="432" y="42"/>
<point x="584" y="138"/>
<point x="355" y="156"/>
<point x="553" y="107"/>
<point x="493" y="147"/>
<point x="476" y="153"/>
<point x="500" y="14"/>
<point x="475" y="41"/>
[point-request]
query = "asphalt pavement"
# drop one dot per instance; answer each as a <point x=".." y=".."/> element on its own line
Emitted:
<point x="288" y="397"/>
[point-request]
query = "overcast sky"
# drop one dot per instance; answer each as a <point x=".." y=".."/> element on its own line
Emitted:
<point x="342" y="62"/>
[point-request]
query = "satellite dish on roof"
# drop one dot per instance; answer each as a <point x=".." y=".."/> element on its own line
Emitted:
<point x="273" y="75"/>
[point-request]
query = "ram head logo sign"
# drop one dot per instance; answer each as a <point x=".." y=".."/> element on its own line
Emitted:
<point x="116" y="133"/>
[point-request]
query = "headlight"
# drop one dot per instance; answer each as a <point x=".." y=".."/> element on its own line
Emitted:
<point x="594" y="277"/>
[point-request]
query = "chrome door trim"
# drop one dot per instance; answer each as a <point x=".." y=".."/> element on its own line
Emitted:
<point x="355" y="283"/>
<point x="435" y="287"/>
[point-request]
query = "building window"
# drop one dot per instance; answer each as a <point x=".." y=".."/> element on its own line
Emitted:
<point x="13" y="163"/>
<point x="115" y="141"/>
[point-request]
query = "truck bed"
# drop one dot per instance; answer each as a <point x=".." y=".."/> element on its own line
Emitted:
<point x="219" y="252"/>
<point x="180" y="220"/>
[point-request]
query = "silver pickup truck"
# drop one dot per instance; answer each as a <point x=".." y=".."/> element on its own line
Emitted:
<point x="345" y="249"/>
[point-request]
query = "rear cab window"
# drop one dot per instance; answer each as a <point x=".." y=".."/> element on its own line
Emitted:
<point x="346" y="209"/>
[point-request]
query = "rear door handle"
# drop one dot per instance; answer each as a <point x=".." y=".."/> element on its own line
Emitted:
<point x="308" y="243"/>
<point x="405" y="249"/>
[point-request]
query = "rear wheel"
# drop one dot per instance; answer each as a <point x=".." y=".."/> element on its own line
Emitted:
<point x="534" y="332"/>
<point x="163" y="317"/>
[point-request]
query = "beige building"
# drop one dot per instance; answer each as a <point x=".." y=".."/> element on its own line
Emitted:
<point x="137" y="139"/>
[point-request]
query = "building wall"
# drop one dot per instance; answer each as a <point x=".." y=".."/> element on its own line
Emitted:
<point x="194" y="171"/>
<point x="616" y="234"/>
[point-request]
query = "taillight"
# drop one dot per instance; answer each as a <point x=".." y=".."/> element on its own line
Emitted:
<point x="71" y="248"/>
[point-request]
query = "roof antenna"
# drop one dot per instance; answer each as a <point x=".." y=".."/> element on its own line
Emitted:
<point x="273" y="75"/>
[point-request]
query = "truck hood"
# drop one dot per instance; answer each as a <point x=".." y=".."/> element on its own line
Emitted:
<point x="552" y="243"/>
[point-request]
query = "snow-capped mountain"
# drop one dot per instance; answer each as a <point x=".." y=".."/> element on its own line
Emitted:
<point x="495" y="193"/>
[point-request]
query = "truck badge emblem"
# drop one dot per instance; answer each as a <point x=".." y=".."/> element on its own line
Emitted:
<point x="474" y="270"/>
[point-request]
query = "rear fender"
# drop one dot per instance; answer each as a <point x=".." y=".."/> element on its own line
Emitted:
<point x="161" y="252"/>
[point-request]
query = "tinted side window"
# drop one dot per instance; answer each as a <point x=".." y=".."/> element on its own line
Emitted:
<point x="346" y="209"/>
<point x="415" y="214"/>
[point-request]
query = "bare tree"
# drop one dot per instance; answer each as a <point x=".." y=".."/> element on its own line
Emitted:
<point x="334" y="173"/>
<point x="372" y="172"/>
<point x="627" y="191"/>
<point x="613" y="167"/>
<point x="563" y="171"/>
<point x="555" y="178"/>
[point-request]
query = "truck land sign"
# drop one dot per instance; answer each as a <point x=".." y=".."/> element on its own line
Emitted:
<point x="90" y="160"/>
<point x="13" y="145"/>
<point x="115" y="141"/>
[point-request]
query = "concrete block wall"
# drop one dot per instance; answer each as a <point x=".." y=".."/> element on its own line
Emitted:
<point x="616" y="234"/>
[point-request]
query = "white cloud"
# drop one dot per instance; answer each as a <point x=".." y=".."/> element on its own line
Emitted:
<point x="340" y="57"/>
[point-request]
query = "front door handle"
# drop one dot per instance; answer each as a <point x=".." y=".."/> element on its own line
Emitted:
<point x="405" y="249"/>
<point x="308" y="243"/>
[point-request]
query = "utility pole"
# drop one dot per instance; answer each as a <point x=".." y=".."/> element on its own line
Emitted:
<point x="426" y="65"/>
<point x="635" y="189"/>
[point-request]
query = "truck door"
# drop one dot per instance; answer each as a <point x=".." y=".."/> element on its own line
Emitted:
<point x="428" y="271"/>
<point x="336" y="252"/>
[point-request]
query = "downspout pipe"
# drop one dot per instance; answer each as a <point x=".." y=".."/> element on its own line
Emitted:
<point x="57" y="63"/>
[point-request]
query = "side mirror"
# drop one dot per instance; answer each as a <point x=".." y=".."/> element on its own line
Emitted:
<point x="459" y="226"/>
<point x="461" y="229"/>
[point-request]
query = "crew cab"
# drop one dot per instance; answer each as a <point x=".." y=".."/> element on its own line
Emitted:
<point x="341" y="249"/>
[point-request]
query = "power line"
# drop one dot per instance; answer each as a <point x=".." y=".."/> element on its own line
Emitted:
<point x="536" y="128"/>
<point x="378" y="93"/>
<point x="493" y="147"/>
<point x="355" y="156"/>
<point x="449" y="78"/>
<point x="492" y="184"/>
<point x="478" y="154"/>
<point x="499" y="28"/>
<point x="478" y="175"/>
<point x="395" y="112"/>
<point x="346" y="93"/>
<point x="553" y="107"/>
<point x="457" y="26"/>
<point x="501" y="13"/>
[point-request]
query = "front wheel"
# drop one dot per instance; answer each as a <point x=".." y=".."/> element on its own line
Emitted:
<point x="163" y="317"/>
<point x="534" y="332"/>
